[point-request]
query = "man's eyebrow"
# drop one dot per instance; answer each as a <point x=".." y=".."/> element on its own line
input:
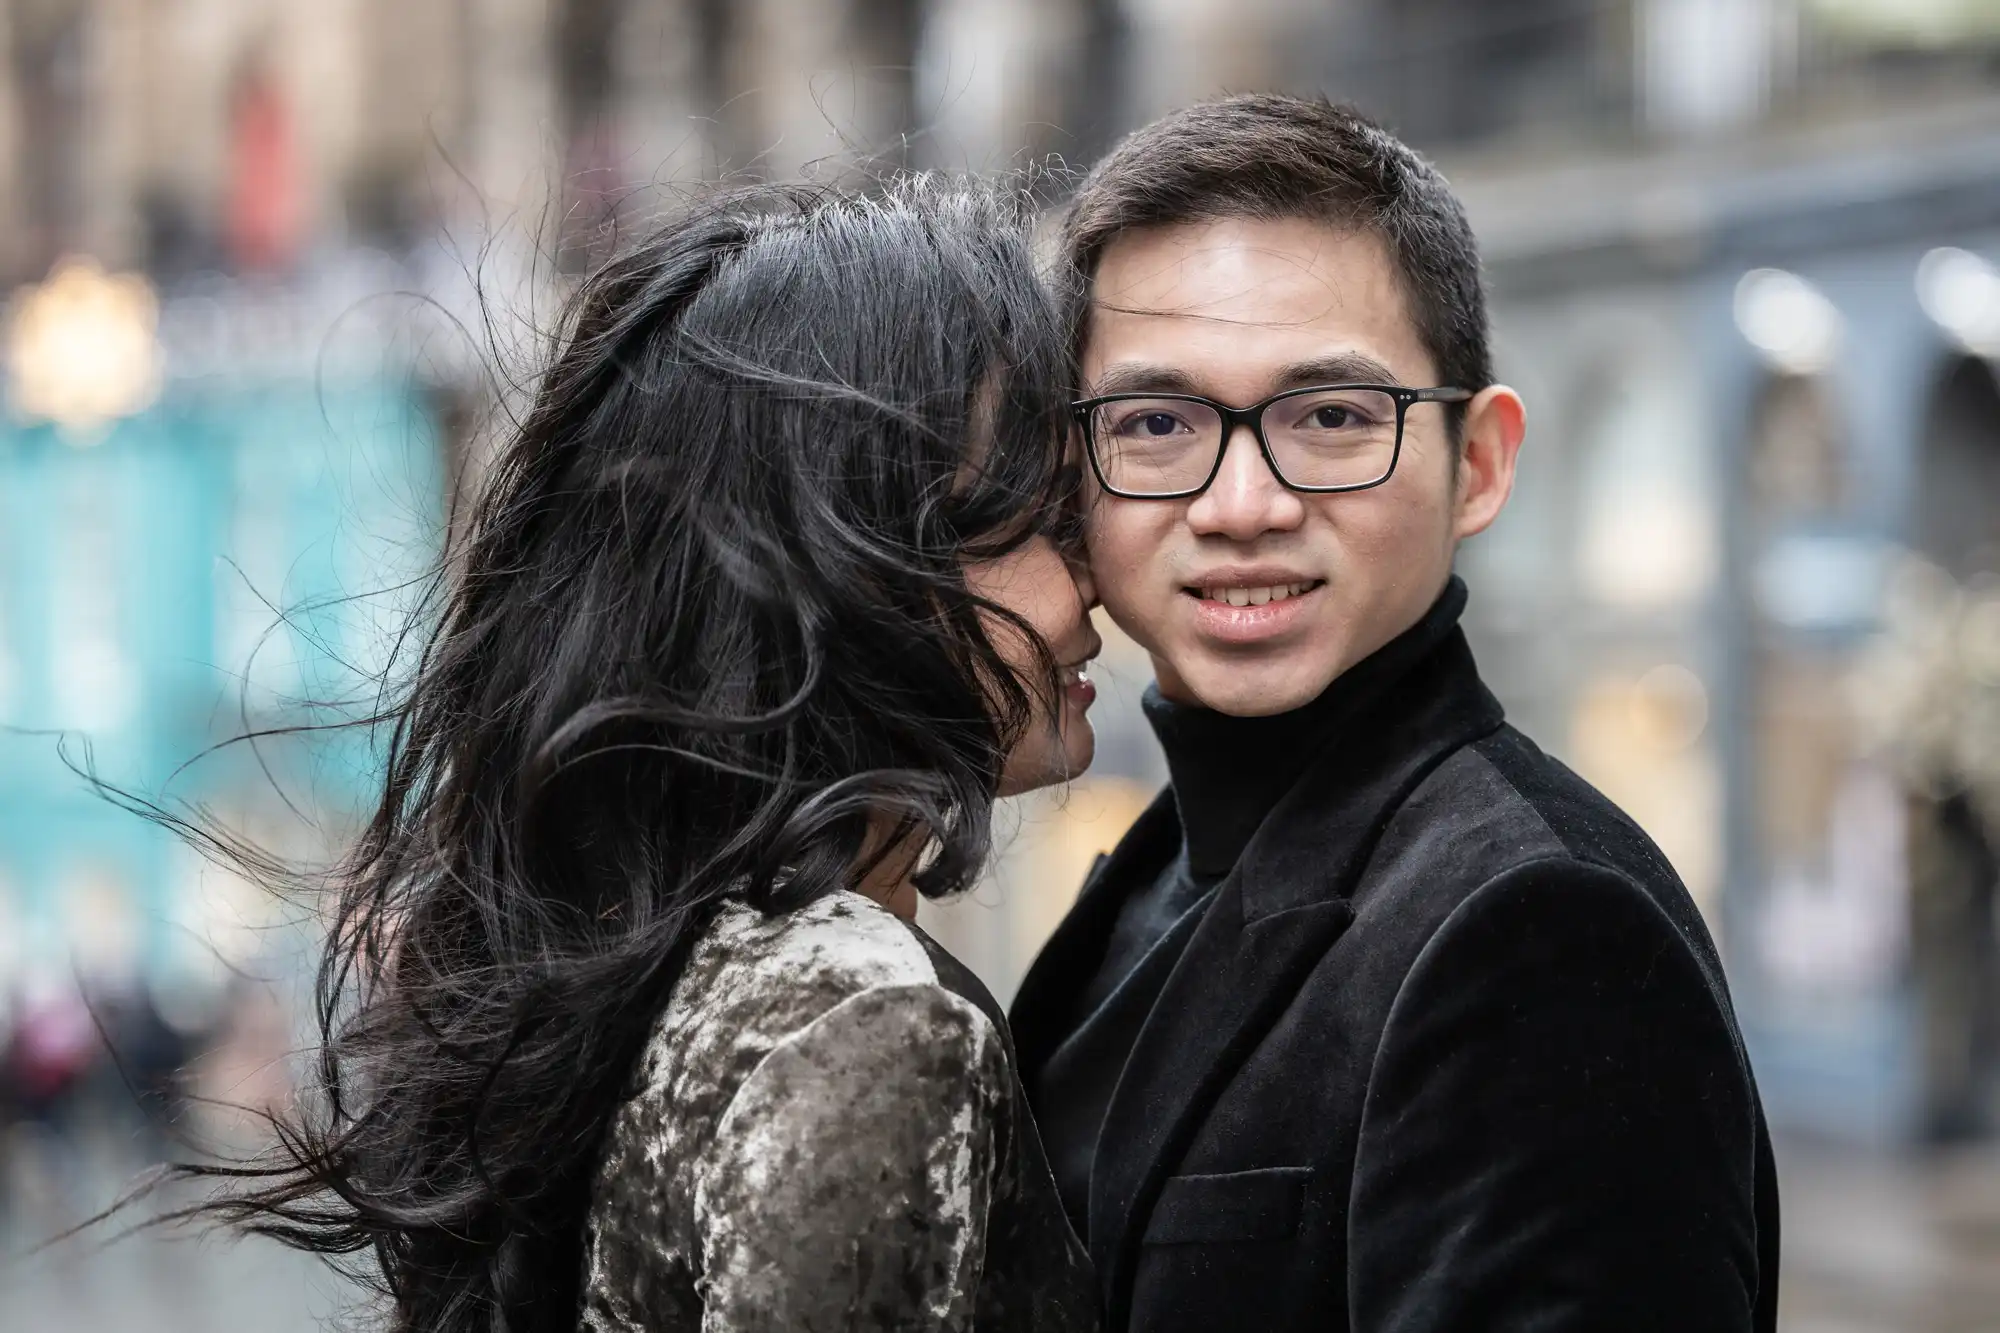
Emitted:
<point x="1137" y="377"/>
<point x="1340" y="368"/>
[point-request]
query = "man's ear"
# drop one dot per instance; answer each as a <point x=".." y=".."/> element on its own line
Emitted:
<point x="1496" y="421"/>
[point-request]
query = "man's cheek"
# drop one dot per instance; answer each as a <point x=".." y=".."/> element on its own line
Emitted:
<point x="1120" y="557"/>
<point x="1133" y="601"/>
<point x="1386" y="533"/>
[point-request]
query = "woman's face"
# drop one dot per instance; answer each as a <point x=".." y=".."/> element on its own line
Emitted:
<point x="1035" y="582"/>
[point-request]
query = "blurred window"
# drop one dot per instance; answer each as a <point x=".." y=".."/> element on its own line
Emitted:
<point x="1443" y="71"/>
<point x="253" y="636"/>
<point x="1797" y="465"/>
<point x="1894" y="49"/>
<point x="1641" y="738"/>
<point x="1893" y="25"/>
<point x="49" y="78"/>
<point x="266" y="214"/>
<point x="1957" y="519"/>
<point x="95" y="685"/>
<point x="12" y="930"/>
<point x="102" y="922"/>
<point x="1710" y="64"/>
<point x="10" y="661"/>
<point x="1646" y="535"/>
<point x="1828" y="825"/>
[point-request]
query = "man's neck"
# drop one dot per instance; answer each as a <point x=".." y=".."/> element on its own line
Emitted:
<point x="1228" y="772"/>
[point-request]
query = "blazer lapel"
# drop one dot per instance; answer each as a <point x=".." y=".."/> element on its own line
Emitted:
<point x="1230" y="985"/>
<point x="1044" y="1007"/>
<point x="1274" y="916"/>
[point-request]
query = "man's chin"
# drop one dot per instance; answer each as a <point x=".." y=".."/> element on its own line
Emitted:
<point x="1260" y="690"/>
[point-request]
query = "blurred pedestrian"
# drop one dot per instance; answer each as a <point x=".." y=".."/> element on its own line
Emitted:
<point x="50" y="1053"/>
<point x="47" y="1054"/>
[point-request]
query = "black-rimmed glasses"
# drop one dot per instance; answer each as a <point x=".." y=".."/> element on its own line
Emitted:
<point x="1320" y="440"/>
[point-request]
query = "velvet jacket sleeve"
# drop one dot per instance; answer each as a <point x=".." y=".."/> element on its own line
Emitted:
<point x="848" y="1185"/>
<point x="1559" y="1129"/>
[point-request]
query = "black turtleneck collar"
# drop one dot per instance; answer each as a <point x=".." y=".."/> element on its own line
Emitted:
<point x="1228" y="771"/>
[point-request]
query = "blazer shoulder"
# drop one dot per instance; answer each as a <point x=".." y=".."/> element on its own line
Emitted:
<point x="1499" y="806"/>
<point x="1582" y="820"/>
<point x="1503" y="802"/>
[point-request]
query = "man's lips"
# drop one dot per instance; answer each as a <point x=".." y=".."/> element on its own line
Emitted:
<point x="1252" y="583"/>
<point x="1253" y="594"/>
<point x="1232" y="609"/>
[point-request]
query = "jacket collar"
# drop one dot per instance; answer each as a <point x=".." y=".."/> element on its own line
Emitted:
<point x="1043" y="1009"/>
<point x="1319" y="836"/>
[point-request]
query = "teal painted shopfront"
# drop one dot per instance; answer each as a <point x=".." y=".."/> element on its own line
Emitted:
<point x="229" y="560"/>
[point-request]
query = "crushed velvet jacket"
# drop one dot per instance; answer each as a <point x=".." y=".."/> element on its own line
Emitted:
<point x="826" y="1133"/>
<point x="1449" y="1051"/>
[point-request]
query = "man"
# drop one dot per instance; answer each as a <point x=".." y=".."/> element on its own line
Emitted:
<point x="1379" y="1018"/>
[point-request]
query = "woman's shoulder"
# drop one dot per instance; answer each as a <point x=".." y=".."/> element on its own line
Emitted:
<point x="755" y="982"/>
<point x="822" y="1110"/>
<point x="814" y="1050"/>
<point x="778" y="972"/>
<point x="830" y="949"/>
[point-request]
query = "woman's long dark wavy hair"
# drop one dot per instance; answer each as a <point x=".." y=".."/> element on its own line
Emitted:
<point x="708" y="623"/>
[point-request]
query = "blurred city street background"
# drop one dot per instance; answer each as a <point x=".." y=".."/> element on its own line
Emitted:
<point x="270" y="270"/>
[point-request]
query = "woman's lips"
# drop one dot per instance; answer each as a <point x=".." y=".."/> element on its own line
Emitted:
<point x="1075" y="673"/>
<point x="1219" y="619"/>
<point x="1077" y="686"/>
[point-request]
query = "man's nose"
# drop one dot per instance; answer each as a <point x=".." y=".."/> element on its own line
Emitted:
<point x="1246" y="499"/>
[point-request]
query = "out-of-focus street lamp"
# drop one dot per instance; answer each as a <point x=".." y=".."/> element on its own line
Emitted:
<point x="1960" y="291"/>
<point x="1795" y="328"/>
<point x="82" y="349"/>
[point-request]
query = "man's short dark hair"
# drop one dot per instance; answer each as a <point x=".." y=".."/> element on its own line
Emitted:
<point x="1266" y="156"/>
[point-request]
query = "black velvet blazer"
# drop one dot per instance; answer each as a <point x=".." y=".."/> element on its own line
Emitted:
<point x="1449" y="1050"/>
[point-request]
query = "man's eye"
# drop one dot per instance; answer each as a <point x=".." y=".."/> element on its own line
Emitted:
<point x="1154" y="425"/>
<point x="1331" y="418"/>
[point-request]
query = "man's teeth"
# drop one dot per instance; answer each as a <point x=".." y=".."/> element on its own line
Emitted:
<point x="1256" y="596"/>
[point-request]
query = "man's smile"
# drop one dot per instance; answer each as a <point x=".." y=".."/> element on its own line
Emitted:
<point x="1252" y="595"/>
<point x="1237" y="611"/>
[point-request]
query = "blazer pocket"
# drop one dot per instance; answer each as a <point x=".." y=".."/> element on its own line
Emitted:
<point x="1239" y="1205"/>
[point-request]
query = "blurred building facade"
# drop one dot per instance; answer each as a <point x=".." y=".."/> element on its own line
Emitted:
<point x="1743" y="256"/>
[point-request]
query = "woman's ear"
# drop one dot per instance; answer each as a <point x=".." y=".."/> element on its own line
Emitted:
<point x="1496" y="421"/>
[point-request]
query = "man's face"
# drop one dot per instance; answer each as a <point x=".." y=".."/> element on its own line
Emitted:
<point x="1237" y="310"/>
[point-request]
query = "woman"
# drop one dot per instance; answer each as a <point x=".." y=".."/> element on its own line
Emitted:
<point x="626" y="1022"/>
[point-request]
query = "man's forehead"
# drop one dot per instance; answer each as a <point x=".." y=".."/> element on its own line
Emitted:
<point x="1245" y="270"/>
<point x="1249" y="296"/>
<point x="1245" y="273"/>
